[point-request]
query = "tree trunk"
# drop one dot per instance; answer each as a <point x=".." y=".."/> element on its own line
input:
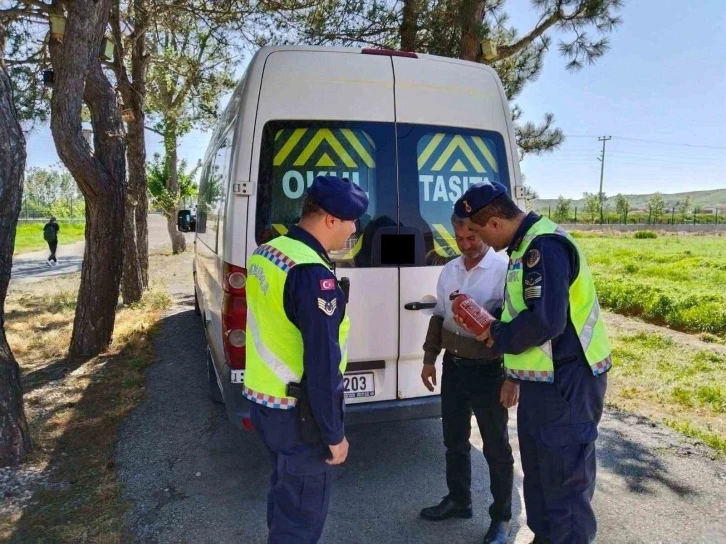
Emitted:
<point x="472" y="13"/>
<point x="14" y="434"/>
<point x="409" y="25"/>
<point x="135" y="281"/>
<point x="100" y="175"/>
<point x="135" y="278"/>
<point x="178" y="242"/>
<point x="142" y="235"/>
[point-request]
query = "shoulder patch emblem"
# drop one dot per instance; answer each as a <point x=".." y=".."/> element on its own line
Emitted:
<point x="327" y="285"/>
<point x="328" y="308"/>
<point x="532" y="258"/>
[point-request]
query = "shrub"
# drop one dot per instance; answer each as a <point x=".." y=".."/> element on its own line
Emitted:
<point x="645" y="234"/>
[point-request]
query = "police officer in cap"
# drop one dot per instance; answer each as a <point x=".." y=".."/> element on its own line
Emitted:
<point x="297" y="332"/>
<point x="554" y="342"/>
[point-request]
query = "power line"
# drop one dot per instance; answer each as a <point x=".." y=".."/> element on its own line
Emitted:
<point x="671" y="143"/>
<point x="659" y="142"/>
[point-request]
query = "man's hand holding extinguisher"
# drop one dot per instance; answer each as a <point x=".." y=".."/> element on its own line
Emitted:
<point x="477" y="320"/>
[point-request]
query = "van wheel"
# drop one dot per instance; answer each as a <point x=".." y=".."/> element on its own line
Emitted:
<point x="197" y="309"/>
<point x="214" y="392"/>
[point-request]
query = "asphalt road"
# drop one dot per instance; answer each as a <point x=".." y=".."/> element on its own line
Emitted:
<point x="32" y="267"/>
<point x="193" y="478"/>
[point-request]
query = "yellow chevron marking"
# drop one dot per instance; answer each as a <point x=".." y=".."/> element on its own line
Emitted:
<point x="289" y="146"/>
<point x="459" y="167"/>
<point x="326" y="161"/>
<point x="445" y="251"/>
<point x="459" y="142"/>
<point x="282" y="229"/>
<point x="442" y="231"/>
<point x="279" y="133"/>
<point x="324" y="134"/>
<point x="433" y="144"/>
<point x="355" y="250"/>
<point x="487" y="154"/>
<point x="362" y="153"/>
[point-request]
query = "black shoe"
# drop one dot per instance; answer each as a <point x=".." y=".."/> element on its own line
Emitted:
<point x="498" y="533"/>
<point x="447" y="509"/>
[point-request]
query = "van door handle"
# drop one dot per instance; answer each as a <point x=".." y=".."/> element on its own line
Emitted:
<point x="420" y="305"/>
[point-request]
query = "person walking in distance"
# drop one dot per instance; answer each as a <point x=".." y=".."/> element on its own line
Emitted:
<point x="50" y="234"/>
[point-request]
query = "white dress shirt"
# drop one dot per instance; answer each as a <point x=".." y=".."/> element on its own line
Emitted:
<point x="484" y="283"/>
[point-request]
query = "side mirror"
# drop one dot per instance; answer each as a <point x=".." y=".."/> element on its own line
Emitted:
<point x="184" y="222"/>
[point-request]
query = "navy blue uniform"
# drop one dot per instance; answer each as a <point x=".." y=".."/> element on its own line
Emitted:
<point x="297" y="503"/>
<point x="556" y="422"/>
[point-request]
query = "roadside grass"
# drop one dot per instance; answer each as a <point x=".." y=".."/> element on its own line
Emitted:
<point x="74" y="410"/>
<point x="674" y="281"/>
<point x="663" y="379"/>
<point x="29" y="236"/>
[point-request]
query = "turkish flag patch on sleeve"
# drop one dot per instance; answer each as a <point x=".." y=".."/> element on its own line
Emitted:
<point x="327" y="285"/>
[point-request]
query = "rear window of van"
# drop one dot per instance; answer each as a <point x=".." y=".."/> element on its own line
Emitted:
<point x="436" y="165"/>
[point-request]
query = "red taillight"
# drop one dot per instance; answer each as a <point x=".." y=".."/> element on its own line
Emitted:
<point x="234" y="315"/>
<point x="390" y="53"/>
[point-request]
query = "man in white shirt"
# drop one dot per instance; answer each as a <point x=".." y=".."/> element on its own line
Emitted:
<point x="473" y="381"/>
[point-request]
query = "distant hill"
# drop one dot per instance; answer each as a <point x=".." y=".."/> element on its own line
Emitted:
<point x="715" y="198"/>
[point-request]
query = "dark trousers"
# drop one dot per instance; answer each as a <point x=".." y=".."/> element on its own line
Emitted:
<point x="557" y="427"/>
<point x="467" y="389"/>
<point x="52" y="246"/>
<point x="297" y="502"/>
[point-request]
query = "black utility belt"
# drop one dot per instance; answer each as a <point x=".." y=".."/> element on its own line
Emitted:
<point x="463" y="361"/>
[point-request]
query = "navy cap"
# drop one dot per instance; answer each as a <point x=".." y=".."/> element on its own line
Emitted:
<point x="477" y="196"/>
<point x="339" y="197"/>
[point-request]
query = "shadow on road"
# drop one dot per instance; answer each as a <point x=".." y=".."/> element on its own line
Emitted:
<point x="638" y="464"/>
<point x="24" y="270"/>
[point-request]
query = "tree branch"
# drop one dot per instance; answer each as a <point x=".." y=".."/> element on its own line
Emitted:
<point x="539" y="30"/>
<point x="147" y="127"/>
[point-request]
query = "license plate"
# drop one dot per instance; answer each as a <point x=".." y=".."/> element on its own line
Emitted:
<point x="359" y="385"/>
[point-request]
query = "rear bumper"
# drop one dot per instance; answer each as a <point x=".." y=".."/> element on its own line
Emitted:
<point x="393" y="410"/>
<point x="238" y="408"/>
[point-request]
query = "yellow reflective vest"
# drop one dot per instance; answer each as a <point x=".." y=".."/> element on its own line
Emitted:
<point x="536" y="364"/>
<point x="274" y="344"/>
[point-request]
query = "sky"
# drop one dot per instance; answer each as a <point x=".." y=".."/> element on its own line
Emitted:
<point x="663" y="81"/>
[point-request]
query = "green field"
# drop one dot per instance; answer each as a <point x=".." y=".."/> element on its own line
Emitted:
<point x="29" y="236"/>
<point x="666" y="379"/>
<point x="674" y="281"/>
<point x="677" y="282"/>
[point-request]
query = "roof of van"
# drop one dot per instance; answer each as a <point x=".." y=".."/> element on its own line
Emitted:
<point x="264" y="52"/>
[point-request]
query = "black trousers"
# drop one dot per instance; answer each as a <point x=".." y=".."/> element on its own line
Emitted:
<point x="476" y="388"/>
<point x="52" y="246"/>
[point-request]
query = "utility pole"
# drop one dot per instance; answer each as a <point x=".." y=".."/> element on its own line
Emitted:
<point x="602" y="139"/>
